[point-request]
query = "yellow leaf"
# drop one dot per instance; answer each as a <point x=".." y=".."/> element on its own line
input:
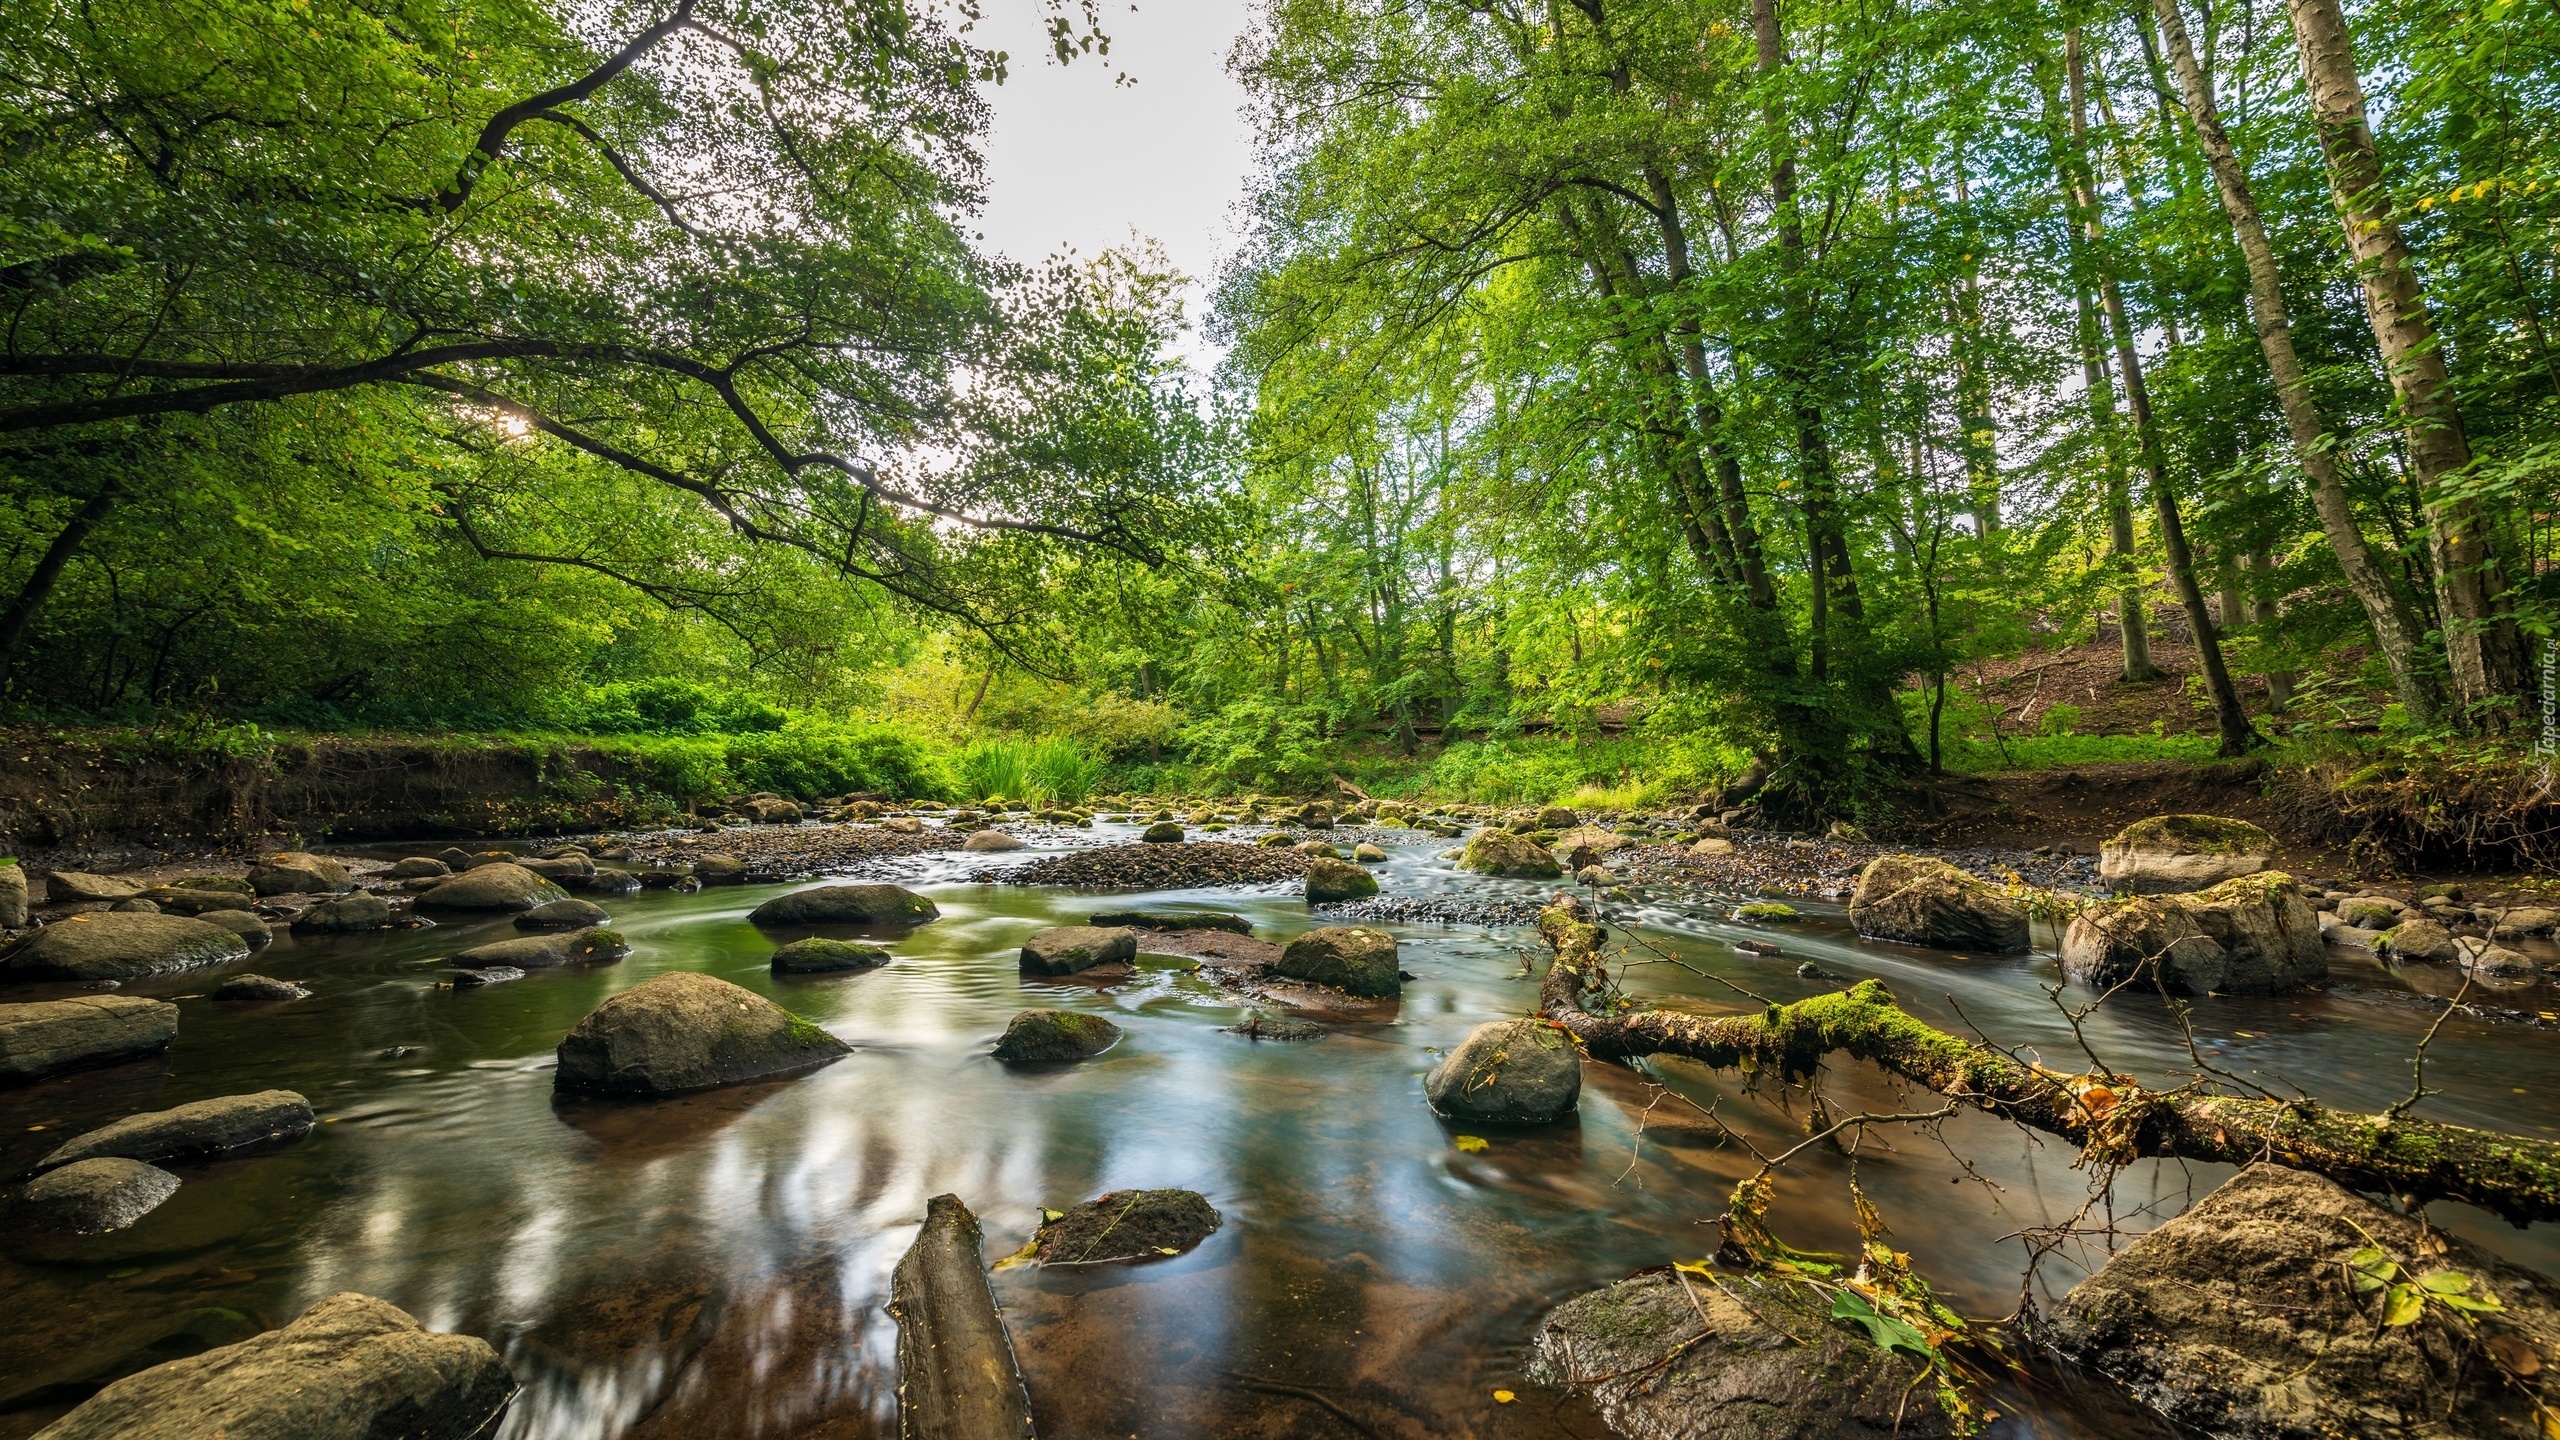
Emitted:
<point x="1471" y="1143"/>
<point x="1502" y="1397"/>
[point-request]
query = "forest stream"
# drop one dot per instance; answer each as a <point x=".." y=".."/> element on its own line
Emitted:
<point x="720" y="1262"/>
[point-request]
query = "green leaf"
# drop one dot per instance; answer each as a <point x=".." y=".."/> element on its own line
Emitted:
<point x="1884" y="1331"/>
<point x="2372" y="1270"/>
<point x="2445" y="1282"/>
<point x="2474" y="1304"/>
<point x="2403" y="1305"/>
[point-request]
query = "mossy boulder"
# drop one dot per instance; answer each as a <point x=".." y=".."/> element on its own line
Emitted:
<point x="2146" y="941"/>
<point x="594" y="945"/>
<point x="112" y="946"/>
<point x="563" y="915"/>
<point x="1126" y="1225"/>
<point x="818" y="955"/>
<point x="93" y="1197"/>
<point x="1068" y="949"/>
<point x="346" y="915"/>
<point x="2171" y="853"/>
<point x="1351" y="958"/>
<point x="1916" y="900"/>
<point x="498" y="887"/>
<point x="419" y="867"/>
<point x="1163" y="832"/>
<point x="198" y="1130"/>
<point x="296" y="872"/>
<point x="1519" y="1072"/>
<point x="1330" y="880"/>
<point x="1036" y="1036"/>
<point x="847" y="905"/>
<point x="70" y="887"/>
<point x="48" y="1036"/>
<point x="1496" y="852"/>
<point x="249" y="925"/>
<point x="683" y="1032"/>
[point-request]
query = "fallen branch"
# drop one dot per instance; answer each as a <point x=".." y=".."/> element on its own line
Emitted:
<point x="2111" y="1118"/>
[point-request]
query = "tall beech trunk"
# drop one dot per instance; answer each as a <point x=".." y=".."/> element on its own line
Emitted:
<point x="2230" y="721"/>
<point x="48" y="572"/>
<point x="2482" y="644"/>
<point x="2112" y="1118"/>
<point x="2396" y="631"/>
<point x="1975" y="435"/>
<point x="2279" y="682"/>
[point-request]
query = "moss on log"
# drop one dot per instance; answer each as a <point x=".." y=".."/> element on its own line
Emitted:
<point x="2111" y="1118"/>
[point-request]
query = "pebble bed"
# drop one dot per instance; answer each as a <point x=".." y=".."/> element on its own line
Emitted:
<point x="1404" y="909"/>
<point x="1156" y="867"/>
<point x="1828" y="869"/>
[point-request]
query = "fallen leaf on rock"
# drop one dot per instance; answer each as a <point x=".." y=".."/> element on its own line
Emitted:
<point x="1471" y="1143"/>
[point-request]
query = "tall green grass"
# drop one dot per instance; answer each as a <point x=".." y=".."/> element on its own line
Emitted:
<point x="1054" y="770"/>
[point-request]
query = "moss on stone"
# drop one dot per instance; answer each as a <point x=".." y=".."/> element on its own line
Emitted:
<point x="2195" y="834"/>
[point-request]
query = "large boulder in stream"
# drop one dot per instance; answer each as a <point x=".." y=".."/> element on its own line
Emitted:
<point x="818" y="955"/>
<point x="2244" y="1317"/>
<point x="1916" y="900"/>
<point x="1068" y="949"/>
<point x="1499" y="852"/>
<point x="47" y="1036"/>
<point x="1730" y="1355"/>
<point x="199" y="1130"/>
<point x="70" y="887"/>
<point x="121" y="946"/>
<point x="847" y="905"/>
<point x="1329" y="880"/>
<point x="2254" y="935"/>
<point x="682" y="1032"/>
<point x="563" y="915"/>
<point x="351" y="1368"/>
<point x="1518" y="1072"/>
<point x="1037" y="1036"/>
<point x="93" y="1197"/>
<point x="2170" y="853"/>
<point x="594" y="945"/>
<point x="1351" y="958"/>
<point x="297" y="873"/>
<point x="957" y="1378"/>
<point x="499" y="887"/>
<point x="1127" y="1225"/>
<point x="346" y="915"/>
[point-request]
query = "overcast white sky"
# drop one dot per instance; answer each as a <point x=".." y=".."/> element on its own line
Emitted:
<point x="1075" y="160"/>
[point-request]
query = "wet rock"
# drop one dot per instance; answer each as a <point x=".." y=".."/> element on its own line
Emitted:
<point x="93" y="1197"/>
<point x="2268" y="929"/>
<point x="1712" y="845"/>
<point x="772" y="812"/>
<point x="70" y="886"/>
<point x="564" y="871"/>
<point x="1163" y="832"/>
<point x="485" y="975"/>
<point x="1496" y="852"/>
<point x="501" y="886"/>
<point x="1367" y="854"/>
<point x="1330" y="880"/>
<point x="563" y="915"/>
<point x="1055" y="1035"/>
<point x="121" y="947"/>
<point x="1127" y="1225"/>
<point x="957" y="1378"/>
<point x="351" y="1368"/>
<point x="594" y="945"/>
<point x="1315" y="815"/>
<point x="684" y="1031"/>
<point x="1172" y="920"/>
<point x="2239" y="1319"/>
<point x="847" y="905"/>
<point x="1915" y="900"/>
<point x="47" y="1036"/>
<point x="720" y="870"/>
<point x="1557" y="817"/>
<point x="13" y="894"/>
<point x="1351" y="958"/>
<point x="680" y="881"/>
<point x="135" y="906"/>
<point x="1317" y="850"/>
<point x="820" y="956"/>
<point x="182" y="900"/>
<point x="2115" y="941"/>
<point x="2491" y="960"/>
<point x="903" y="825"/>
<point x="418" y="867"/>
<point x="2369" y="912"/>
<point x="247" y="924"/>
<point x="2350" y="937"/>
<point x="348" y="914"/>
<point x="1732" y="1357"/>
<point x="1067" y="949"/>
<point x="241" y="989"/>
<point x="197" y="1131"/>
<point x="992" y="840"/>
<point x="2529" y="919"/>
<point x="295" y="872"/>
<point x="1522" y="1072"/>
<point x="1265" y="1025"/>
<point x="2167" y="853"/>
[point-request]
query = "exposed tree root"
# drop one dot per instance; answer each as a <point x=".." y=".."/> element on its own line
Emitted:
<point x="2111" y="1118"/>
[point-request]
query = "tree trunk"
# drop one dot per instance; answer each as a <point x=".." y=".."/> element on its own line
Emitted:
<point x="2231" y="722"/>
<point x="2396" y="630"/>
<point x="2110" y="1117"/>
<point x="57" y="556"/>
<point x="2279" y="682"/>
<point x="2481" y="640"/>
<point x="957" y="1379"/>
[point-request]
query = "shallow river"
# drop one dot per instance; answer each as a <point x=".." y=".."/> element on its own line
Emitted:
<point x="717" y="1265"/>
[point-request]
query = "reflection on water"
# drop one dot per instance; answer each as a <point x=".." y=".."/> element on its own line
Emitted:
<point x="716" y="1265"/>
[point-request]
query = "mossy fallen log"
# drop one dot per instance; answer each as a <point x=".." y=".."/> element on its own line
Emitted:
<point x="957" y="1379"/>
<point x="2111" y="1118"/>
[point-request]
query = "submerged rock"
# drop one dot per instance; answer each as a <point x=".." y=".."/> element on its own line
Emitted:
<point x="1329" y="880"/>
<point x="1498" y="852"/>
<point x="2168" y="853"/>
<point x="820" y="956"/>
<point x="121" y="947"/>
<point x="847" y="905"/>
<point x="53" y="1035"/>
<point x="1172" y="920"/>
<point x="93" y="1197"/>
<point x="1521" y="1072"/>
<point x="498" y="886"/>
<point x="485" y="975"/>
<point x="1920" y="901"/>
<point x="1052" y="1035"/>
<point x="2240" y="1318"/>
<point x="248" y="988"/>
<point x="1067" y="949"/>
<point x="194" y="1131"/>
<point x="347" y="915"/>
<point x="1351" y="958"/>
<point x="683" y="1031"/>
<point x="957" y="1378"/>
<point x="563" y="915"/>
<point x="351" y="1368"/>
<point x="1730" y="1356"/>
<point x="594" y="945"/>
<point x="1265" y="1025"/>
<point x="1127" y="1225"/>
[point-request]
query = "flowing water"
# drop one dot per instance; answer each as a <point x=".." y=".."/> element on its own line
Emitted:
<point x="717" y="1264"/>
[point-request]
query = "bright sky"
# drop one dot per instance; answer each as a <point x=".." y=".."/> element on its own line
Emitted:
<point x="1075" y="160"/>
